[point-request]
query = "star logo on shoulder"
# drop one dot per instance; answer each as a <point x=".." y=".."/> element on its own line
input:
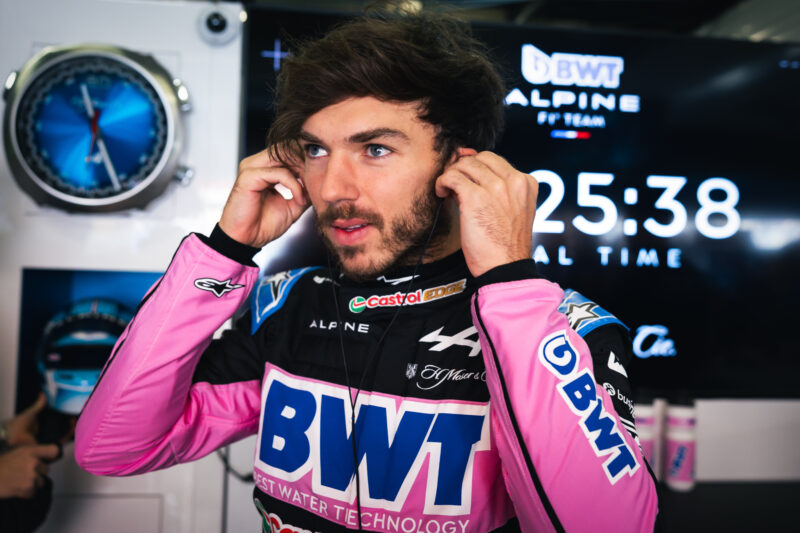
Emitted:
<point x="212" y="285"/>
<point x="578" y="313"/>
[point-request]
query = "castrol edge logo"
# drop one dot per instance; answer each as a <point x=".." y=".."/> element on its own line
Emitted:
<point x="419" y="296"/>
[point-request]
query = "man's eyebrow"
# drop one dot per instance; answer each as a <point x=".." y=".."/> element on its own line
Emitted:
<point x="360" y="137"/>
<point x="369" y="135"/>
<point x="305" y="136"/>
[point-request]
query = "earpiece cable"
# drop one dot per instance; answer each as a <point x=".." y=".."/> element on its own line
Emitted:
<point x="372" y="354"/>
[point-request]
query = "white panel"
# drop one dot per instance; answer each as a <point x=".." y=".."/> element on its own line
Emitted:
<point x="120" y="514"/>
<point x="190" y="496"/>
<point x="748" y="440"/>
<point x="242" y="514"/>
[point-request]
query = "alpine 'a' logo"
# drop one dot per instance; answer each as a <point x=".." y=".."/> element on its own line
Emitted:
<point x="396" y="281"/>
<point x="217" y="287"/>
<point x="459" y="339"/>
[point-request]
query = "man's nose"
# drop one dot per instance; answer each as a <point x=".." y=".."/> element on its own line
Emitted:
<point x="339" y="181"/>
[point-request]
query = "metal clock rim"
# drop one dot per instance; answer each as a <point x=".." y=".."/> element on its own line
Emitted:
<point x="155" y="74"/>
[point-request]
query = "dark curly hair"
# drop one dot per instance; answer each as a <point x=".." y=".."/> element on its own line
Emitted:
<point x="429" y="58"/>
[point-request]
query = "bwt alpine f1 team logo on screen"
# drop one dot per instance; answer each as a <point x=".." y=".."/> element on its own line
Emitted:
<point x="582" y="90"/>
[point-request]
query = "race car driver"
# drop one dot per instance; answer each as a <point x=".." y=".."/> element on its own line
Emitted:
<point x="429" y="380"/>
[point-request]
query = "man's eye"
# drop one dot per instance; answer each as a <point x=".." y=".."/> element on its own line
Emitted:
<point x="314" y="150"/>
<point x="377" y="150"/>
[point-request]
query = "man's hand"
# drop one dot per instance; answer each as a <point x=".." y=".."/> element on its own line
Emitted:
<point x="497" y="204"/>
<point x="22" y="470"/>
<point x="22" y="428"/>
<point x="255" y="212"/>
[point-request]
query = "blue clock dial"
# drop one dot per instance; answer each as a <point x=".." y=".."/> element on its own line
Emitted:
<point x="91" y="127"/>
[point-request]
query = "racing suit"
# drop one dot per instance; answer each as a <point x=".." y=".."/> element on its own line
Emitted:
<point x="478" y="407"/>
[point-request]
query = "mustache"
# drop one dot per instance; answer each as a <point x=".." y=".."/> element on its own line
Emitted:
<point x="347" y="211"/>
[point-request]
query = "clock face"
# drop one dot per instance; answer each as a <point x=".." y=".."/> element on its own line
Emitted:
<point x="93" y="128"/>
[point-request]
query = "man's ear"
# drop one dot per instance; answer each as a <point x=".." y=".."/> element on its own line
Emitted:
<point x="458" y="154"/>
<point x="461" y="152"/>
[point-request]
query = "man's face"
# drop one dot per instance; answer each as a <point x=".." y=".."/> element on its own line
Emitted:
<point x="369" y="171"/>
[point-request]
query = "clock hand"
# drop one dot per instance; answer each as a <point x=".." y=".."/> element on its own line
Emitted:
<point x="94" y="115"/>
<point x="95" y="119"/>
<point x="107" y="163"/>
<point x="87" y="101"/>
<point x="87" y="104"/>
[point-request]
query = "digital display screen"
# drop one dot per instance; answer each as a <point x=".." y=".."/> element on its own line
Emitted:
<point x="669" y="189"/>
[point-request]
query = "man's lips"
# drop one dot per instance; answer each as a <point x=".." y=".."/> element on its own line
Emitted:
<point x="346" y="226"/>
<point x="349" y="225"/>
<point x="351" y="231"/>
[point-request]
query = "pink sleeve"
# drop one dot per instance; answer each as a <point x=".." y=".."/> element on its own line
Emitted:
<point x="568" y="463"/>
<point x="145" y="413"/>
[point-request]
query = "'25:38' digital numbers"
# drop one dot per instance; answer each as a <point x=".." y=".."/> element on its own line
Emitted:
<point x="667" y="201"/>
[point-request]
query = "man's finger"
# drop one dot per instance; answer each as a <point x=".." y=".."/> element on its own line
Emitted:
<point x="496" y="163"/>
<point x="458" y="182"/>
<point x="261" y="159"/>
<point x="480" y="173"/>
<point x="521" y="187"/>
<point x="41" y="469"/>
<point x="37" y="406"/>
<point x="49" y="452"/>
<point x="260" y="180"/>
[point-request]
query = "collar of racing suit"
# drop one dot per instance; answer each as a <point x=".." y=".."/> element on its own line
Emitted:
<point x="435" y="285"/>
<point x="453" y="265"/>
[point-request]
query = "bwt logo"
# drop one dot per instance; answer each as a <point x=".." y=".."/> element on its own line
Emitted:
<point x="652" y="341"/>
<point x="579" y="391"/>
<point x="306" y="428"/>
<point x="570" y="69"/>
<point x="582" y="88"/>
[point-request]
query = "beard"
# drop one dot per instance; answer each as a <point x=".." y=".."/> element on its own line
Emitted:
<point x="404" y="237"/>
